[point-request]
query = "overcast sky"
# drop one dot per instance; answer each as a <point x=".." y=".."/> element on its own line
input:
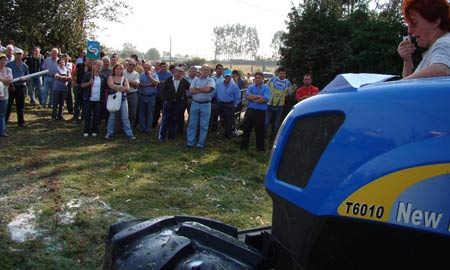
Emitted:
<point x="189" y="24"/>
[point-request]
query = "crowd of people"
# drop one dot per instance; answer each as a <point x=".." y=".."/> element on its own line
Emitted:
<point x="154" y="97"/>
<point x="150" y="91"/>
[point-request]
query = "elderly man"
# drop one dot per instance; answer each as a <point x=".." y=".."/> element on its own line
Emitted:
<point x="19" y="69"/>
<point x="173" y="97"/>
<point x="132" y="96"/>
<point x="9" y="53"/>
<point x="148" y="82"/>
<point x="192" y="74"/>
<point x="51" y="64"/>
<point x="202" y="90"/>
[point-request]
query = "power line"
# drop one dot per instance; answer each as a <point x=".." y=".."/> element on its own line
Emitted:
<point x="259" y="7"/>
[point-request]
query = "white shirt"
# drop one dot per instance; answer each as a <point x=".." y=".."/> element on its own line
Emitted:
<point x="438" y="53"/>
<point x="96" y="91"/>
<point x="175" y="83"/>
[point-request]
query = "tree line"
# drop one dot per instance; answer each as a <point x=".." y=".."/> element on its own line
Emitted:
<point x="56" y="23"/>
<point x="323" y="37"/>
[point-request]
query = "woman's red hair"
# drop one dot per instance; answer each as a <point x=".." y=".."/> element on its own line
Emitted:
<point x="430" y="10"/>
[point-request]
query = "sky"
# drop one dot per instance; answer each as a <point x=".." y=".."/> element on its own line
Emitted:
<point x="187" y="26"/>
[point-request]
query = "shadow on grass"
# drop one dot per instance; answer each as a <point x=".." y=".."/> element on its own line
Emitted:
<point x="50" y="163"/>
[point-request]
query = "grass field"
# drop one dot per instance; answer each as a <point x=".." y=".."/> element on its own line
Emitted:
<point x="59" y="191"/>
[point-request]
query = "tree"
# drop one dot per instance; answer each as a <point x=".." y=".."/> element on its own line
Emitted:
<point x="195" y="61"/>
<point x="63" y="24"/>
<point x="326" y="41"/>
<point x="234" y="41"/>
<point x="276" y="44"/>
<point x="316" y="42"/>
<point x="152" y="54"/>
<point x="128" y="49"/>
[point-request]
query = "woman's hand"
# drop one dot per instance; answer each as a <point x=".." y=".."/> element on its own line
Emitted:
<point x="405" y="49"/>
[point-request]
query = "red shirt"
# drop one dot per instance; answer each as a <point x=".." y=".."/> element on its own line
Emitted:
<point x="305" y="92"/>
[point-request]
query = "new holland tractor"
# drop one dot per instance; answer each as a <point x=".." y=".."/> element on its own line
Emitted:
<point x="359" y="177"/>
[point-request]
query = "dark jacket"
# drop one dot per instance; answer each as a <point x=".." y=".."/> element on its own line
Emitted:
<point x="168" y="92"/>
<point x="34" y="64"/>
<point x="87" y="90"/>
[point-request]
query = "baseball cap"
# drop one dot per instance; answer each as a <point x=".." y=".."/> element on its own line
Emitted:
<point x="19" y="51"/>
<point x="226" y="72"/>
<point x="2" y="55"/>
<point x="179" y="68"/>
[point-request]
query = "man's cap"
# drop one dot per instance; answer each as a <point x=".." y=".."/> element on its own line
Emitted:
<point x="179" y="69"/>
<point x="2" y="55"/>
<point x="64" y="55"/>
<point x="226" y="72"/>
<point x="19" y="51"/>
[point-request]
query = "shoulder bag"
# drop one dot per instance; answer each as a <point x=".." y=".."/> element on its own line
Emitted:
<point x="114" y="101"/>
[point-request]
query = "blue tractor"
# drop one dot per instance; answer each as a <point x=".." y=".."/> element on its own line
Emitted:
<point x="359" y="177"/>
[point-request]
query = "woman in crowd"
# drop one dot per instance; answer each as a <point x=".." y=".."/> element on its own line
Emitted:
<point x="6" y="78"/>
<point x="429" y="23"/>
<point x="117" y="83"/>
<point x="81" y="69"/>
<point x="93" y="85"/>
<point x="62" y="78"/>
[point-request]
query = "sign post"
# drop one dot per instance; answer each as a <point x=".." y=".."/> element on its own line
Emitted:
<point x="93" y="50"/>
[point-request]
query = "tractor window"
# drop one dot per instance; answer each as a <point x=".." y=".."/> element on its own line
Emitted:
<point x="306" y="143"/>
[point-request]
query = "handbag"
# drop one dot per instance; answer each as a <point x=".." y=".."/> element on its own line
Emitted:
<point x="114" y="101"/>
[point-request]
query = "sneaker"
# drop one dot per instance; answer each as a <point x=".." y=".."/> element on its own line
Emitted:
<point x="132" y="138"/>
<point x="108" y="136"/>
<point x="94" y="134"/>
<point x="85" y="134"/>
<point x="237" y="133"/>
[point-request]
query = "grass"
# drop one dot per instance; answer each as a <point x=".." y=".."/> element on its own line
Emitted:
<point x="76" y="187"/>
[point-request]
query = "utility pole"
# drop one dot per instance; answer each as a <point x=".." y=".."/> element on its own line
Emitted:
<point x="170" y="52"/>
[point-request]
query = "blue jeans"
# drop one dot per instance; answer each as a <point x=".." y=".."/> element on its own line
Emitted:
<point x="273" y="114"/>
<point x="48" y="88"/>
<point x="146" y="108"/>
<point x="125" y="121"/>
<point x="3" y="105"/>
<point x="200" y="113"/>
<point x="35" y="89"/>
